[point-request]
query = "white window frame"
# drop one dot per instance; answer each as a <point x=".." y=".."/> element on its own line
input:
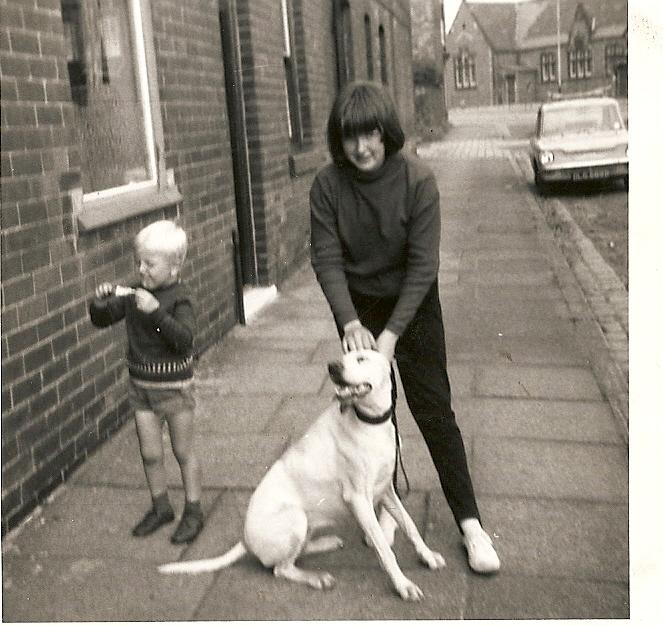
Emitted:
<point x="146" y="74"/>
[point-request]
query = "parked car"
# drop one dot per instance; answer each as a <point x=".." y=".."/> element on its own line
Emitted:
<point x="579" y="140"/>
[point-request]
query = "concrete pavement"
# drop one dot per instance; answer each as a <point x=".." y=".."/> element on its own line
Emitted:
<point x="546" y="451"/>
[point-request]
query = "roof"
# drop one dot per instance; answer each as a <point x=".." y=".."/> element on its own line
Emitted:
<point x="519" y="25"/>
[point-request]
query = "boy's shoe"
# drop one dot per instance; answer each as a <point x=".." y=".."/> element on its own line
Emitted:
<point x="153" y="520"/>
<point x="190" y="525"/>
<point x="481" y="554"/>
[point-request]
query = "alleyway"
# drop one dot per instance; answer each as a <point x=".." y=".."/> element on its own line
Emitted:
<point x="547" y="454"/>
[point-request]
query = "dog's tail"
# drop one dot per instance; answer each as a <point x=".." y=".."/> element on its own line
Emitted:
<point x="205" y="565"/>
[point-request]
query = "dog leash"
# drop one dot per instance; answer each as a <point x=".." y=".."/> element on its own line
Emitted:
<point x="390" y="413"/>
<point x="399" y="458"/>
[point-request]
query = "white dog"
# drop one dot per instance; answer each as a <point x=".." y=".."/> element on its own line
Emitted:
<point x="343" y="464"/>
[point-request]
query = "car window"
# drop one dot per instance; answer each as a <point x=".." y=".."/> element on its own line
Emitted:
<point x="580" y="119"/>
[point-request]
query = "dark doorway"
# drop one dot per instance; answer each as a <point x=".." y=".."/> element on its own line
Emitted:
<point x="621" y="80"/>
<point x="510" y="89"/>
<point x="232" y="65"/>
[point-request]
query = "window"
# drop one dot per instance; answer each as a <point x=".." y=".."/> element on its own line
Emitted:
<point x="113" y="84"/>
<point x="383" y="55"/>
<point x="615" y="55"/>
<point x="343" y="37"/>
<point x="465" y="70"/>
<point x="291" y="86"/>
<point x="548" y="67"/>
<point x="580" y="60"/>
<point x="369" y="47"/>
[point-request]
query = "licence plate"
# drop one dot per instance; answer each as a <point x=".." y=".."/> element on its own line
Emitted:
<point x="592" y="173"/>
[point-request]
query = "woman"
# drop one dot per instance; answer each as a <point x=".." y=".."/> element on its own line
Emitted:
<point x="375" y="235"/>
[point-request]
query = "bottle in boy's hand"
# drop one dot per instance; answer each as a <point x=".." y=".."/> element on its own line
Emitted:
<point x="108" y="289"/>
<point x="121" y="291"/>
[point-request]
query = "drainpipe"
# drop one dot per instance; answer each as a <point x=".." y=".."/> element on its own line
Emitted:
<point x="559" y="54"/>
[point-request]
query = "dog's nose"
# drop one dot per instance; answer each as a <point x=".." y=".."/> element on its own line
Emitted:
<point x="335" y="369"/>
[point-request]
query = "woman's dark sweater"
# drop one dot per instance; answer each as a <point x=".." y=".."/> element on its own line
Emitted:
<point x="377" y="234"/>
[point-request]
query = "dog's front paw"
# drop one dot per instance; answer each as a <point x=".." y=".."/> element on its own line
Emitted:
<point x="409" y="591"/>
<point x="323" y="580"/>
<point x="434" y="560"/>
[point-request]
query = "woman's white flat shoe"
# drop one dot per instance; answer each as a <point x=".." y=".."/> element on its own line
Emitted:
<point x="481" y="554"/>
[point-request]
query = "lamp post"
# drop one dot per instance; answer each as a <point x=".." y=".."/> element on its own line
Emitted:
<point x="559" y="54"/>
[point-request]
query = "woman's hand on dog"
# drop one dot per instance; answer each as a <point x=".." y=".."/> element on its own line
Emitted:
<point x="357" y="337"/>
<point x="386" y="344"/>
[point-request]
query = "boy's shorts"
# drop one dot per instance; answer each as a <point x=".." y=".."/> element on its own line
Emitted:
<point x="162" y="402"/>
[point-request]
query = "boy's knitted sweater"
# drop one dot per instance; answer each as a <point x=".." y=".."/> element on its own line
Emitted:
<point x="160" y="344"/>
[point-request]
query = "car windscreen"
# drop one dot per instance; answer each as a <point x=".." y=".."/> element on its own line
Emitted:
<point x="580" y="119"/>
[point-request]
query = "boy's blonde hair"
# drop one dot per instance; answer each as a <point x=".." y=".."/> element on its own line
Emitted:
<point x="166" y="237"/>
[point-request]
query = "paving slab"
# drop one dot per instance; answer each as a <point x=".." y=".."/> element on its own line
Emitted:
<point x="554" y="538"/>
<point x="553" y="383"/>
<point x="521" y="350"/>
<point x="559" y="420"/>
<point x="93" y="589"/>
<point x="115" y="512"/>
<point x="247" y="592"/>
<point x="550" y="469"/>
<point x="233" y="414"/>
<point x="527" y="597"/>
<point x="260" y="379"/>
<point x="226" y="460"/>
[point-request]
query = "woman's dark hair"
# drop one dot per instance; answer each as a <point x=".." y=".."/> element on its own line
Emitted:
<point x="361" y="107"/>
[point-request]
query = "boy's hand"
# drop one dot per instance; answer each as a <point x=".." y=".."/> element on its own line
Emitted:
<point x="145" y="301"/>
<point x="104" y="290"/>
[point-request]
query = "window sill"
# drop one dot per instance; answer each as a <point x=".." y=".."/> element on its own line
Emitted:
<point x="306" y="161"/>
<point x="99" y="213"/>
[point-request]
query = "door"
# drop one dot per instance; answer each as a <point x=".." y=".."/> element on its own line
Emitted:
<point x="510" y="89"/>
<point x="230" y="43"/>
<point x="621" y="80"/>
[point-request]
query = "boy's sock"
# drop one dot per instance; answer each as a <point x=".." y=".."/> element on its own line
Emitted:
<point x="161" y="513"/>
<point x="190" y="524"/>
<point x="161" y="503"/>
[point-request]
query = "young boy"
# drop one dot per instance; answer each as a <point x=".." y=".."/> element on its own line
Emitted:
<point x="160" y="330"/>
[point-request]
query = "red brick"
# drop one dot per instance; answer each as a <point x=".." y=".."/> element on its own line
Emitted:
<point x="35" y="359"/>
<point x="16" y="290"/>
<point x="19" y="341"/>
<point x="25" y="389"/>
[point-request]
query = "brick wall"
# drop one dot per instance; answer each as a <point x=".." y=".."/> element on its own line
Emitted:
<point x="63" y="382"/>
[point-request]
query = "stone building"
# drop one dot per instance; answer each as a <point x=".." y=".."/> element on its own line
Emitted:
<point x="118" y="113"/>
<point x="428" y="38"/>
<point x="506" y="53"/>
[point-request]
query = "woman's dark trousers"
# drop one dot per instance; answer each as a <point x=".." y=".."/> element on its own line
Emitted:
<point x="421" y="358"/>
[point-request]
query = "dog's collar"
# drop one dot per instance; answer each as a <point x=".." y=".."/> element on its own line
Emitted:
<point x="372" y="419"/>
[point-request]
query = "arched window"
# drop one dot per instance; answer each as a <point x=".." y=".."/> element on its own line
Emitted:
<point x="580" y="59"/>
<point x="465" y="70"/>
<point x="548" y="67"/>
